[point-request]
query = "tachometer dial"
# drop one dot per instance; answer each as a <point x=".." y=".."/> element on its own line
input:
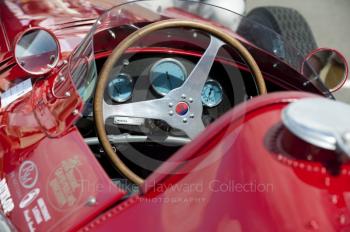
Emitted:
<point x="212" y="93"/>
<point x="120" y="88"/>
<point x="166" y="75"/>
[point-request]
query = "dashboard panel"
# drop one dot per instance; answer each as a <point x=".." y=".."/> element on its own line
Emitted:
<point x="147" y="76"/>
<point x="136" y="76"/>
<point x="155" y="65"/>
<point x="230" y="83"/>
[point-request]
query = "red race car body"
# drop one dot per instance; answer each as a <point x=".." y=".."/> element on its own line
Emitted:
<point x="245" y="172"/>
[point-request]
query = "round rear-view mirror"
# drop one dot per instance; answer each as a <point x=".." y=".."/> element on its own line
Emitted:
<point x="328" y="65"/>
<point x="37" y="51"/>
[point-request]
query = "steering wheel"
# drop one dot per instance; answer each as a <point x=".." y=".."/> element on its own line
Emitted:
<point x="181" y="108"/>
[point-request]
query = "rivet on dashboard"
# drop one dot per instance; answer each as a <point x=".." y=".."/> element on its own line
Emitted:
<point x="190" y="100"/>
<point x="183" y="96"/>
<point x="275" y="65"/>
<point x="185" y="120"/>
<point x="91" y="201"/>
<point x="171" y="113"/>
<point x="191" y="115"/>
<point x="67" y="94"/>
<point x="171" y="105"/>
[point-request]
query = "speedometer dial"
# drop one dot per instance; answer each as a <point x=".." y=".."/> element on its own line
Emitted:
<point x="212" y="93"/>
<point x="120" y="88"/>
<point x="166" y="75"/>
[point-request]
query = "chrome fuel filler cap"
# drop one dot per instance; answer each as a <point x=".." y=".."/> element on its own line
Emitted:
<point x="321" y="122"/>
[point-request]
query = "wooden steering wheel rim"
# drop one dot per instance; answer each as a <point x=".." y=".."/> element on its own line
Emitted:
<point x="119" y="51"/>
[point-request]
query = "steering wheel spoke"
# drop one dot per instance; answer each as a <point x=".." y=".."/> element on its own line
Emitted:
<point x="195" y="82"/>
<point x="153" y="109"/>
<point x="191" y="128"/>
<point x="182" y="107"/>
<point x="161" y="109"/>
<point x="189" y="94"/>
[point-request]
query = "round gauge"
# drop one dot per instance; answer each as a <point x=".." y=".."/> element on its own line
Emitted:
<point x="120" y="88"/>
<point x="166" y="75"/>
<point x="212" y="93"/>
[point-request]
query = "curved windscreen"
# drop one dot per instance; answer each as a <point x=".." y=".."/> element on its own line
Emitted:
<point x="136" y="14"/>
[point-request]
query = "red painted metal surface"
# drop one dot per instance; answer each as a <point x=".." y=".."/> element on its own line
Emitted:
<point x="207" y="193"/>
<point x="69" y="21"/>
<point x="52" y="182"/>
<point x="56" y="104"/>
<point x="234" y="182"/>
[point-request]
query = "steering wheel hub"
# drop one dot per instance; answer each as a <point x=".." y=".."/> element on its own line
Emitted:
<point x="185" y="102"/>
<point x="182" y="108"/>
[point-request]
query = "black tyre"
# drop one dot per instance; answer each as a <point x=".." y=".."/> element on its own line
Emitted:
<point x="287" y="22"/>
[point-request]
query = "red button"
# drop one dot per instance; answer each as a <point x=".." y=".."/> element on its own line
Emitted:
<point x="182" y="108"/>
